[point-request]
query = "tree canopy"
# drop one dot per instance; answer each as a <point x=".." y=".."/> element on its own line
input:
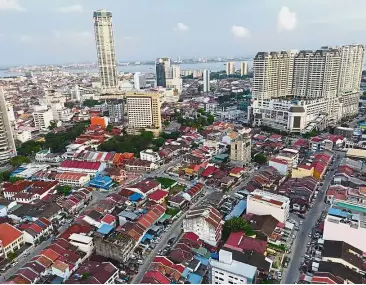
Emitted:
<point x="64" y="190"/>
<point x="128" y="143"/>
<point x="234" y="225"/>
<point x="56" y="142"/>
<point x="4" y="176"/>
<point x="260" y="158"/>
<point x="90" y="103"/>
<point x="19" y="160"/>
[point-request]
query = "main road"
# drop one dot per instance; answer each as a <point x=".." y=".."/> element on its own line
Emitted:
<point x="291" y="275"/>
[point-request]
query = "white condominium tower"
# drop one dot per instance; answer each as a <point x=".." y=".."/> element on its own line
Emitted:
<point x="105" y="50"/>
<point x="351" y="68"/>
<point x="316" y="74"/>
<point x="7" y="145"/>
<point x="323" y="85"/>
<point x="273" y="75"/>
<point x="230" y="68"/>
<point x="143" y="110"/>
<point x="244" y="68"/>
<point x="206" y="80"/>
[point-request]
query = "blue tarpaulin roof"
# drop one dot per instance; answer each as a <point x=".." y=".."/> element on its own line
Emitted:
<point x="105" y="229"/>
<point x="194" y="278"/>
<point x="204" y="261"/>
<point x="146" y="236"/>
<point x="238" y="210"/>
<point x="215" y="255"/>
<point x="135" y="197"/>
<point x="338" y="213"/>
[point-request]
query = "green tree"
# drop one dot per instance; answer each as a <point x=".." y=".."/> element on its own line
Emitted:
<point x="260" y="158"/>
<point x="4" y="176"/>
<point x="12" y="256"/>
<point x="109" y="128"/>
<point x="234" y="225"/>
<point x="64" y="190"/>
<point x="53" y="125"/>
<point x="30" y="148"/>
<point x="19" y="160"/>
<point x="311" y="134"/>
<point x="14" y="179"/>
<point x="90" y="103"/>
<point x="166" y="123"/>
<point x="158" y="142"/>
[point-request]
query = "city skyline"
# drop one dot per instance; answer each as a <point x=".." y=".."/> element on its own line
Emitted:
<point x="281" y="25"/>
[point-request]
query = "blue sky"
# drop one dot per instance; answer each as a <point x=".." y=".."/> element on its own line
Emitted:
<point x="61" y="31"/>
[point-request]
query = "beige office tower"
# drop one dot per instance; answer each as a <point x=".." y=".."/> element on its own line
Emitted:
<point x="350" y="78"/>
<point x="244" y="68"/>
<point x="273" y="73"/>
<point x="316" y="74"/>
<point x="104" y="39"/>
<point x="351" y="67"/>
<point x="240" y="150"/>
<point x="143" y="111"/>
<point x="230" y="68"/>
<point x="175" y="71"/>
<point x="7" y="145"/>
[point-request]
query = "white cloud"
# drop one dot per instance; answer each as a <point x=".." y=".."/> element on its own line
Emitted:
<point x="68" y="36"/>
<point x="11" y="5"/>
<point x="240" y="32"/>
<point x="77" y="8"/>
<point x="287" y="20"/>
<point x="180" y="27"/>
<point x="25" y="38"/>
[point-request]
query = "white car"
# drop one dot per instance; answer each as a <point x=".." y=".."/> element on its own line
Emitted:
<point x="279" y="274"/>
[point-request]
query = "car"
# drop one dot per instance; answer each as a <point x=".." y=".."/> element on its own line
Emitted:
<point x="300" y="222"/>
<point x="279" y="275"/>
<point x="301" y="216"/>
<point x="293" y="236"/>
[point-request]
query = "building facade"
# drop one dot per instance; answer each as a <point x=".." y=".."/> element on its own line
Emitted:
<point x="104" y="38"/>
<point x="163" y="71"/>
<point x="139" y="80"/>
<point x="240" y="150"/>
<point x="265" y="203"/>
<point x="325" y="83"/>
<point x="116" y="111"/>
<point x="244" y="68"/>
<point x="43" y="119"/>
<point x="206" y="80"/>
<point x="230" y="68"/>
<point x="7" y="145"/>
<point x="143" y="110"/>
<point x="229" y="269"/>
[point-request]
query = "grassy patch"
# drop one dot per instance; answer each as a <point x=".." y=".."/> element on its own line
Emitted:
<point x="165" y="182"/>
<point x="176" y="189"/>
<point x="172" y="211"/>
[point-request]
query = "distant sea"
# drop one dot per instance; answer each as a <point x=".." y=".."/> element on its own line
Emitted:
<point x="213" y="66"/>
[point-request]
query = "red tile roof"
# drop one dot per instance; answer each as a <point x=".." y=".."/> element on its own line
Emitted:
<point x="80" y="164"/>
<point x="8" y="234"/>
<point x="154" y="277"/>
<point x="191" y="236"/>
<point x="109" y="219"/>
<point x="158" y="195"/>
<point x="238" y="241"/>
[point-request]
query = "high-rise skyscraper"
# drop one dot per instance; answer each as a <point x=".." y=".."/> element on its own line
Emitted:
<point x="104" y="39"/>
<point x="316" y="74"/>
<point x="272" y="74"/>
<point x="230" y="68"/>
<point x="163" y="71"/>
<point x="325" y="84"/>
<point x="139" y="80"/>
<point x="244" y="68"/>
<point x="206" y="80"/>
<point x="351" y="67"/>
<point x="143" y="110"/>
<point x="7" y="145"/>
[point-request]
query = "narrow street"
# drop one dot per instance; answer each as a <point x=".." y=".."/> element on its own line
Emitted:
<point x="176" y="228"/>
<point x="291" y="275"/>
